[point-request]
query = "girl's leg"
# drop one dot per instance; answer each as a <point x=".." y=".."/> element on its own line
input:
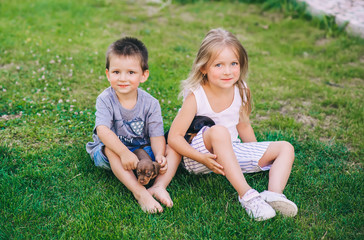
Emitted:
<point x="217" y="140"/>
<point x="144" y="198"/>
<point x="159" y="188"/>
<point x="281" y="156"/>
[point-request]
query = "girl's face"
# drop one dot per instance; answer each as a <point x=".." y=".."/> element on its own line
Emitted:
<point x="224" y="70"/>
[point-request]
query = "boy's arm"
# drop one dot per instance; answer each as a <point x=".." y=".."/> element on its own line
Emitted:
<point x="155" y="128"/>
<point x="158" y="145"/>
<point x="128" y="159"/>
<point x="246" y="132"/>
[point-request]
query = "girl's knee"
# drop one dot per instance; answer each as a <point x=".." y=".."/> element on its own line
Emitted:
<point x="287" y="149"/>
<point x="281" y="148"/>
<point x="218" y="132"/>
<point x="217" y="135"/>
<point x="287" y="146"/>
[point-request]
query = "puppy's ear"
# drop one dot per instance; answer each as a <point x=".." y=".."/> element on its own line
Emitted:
<point x="138" y="168"/>
<point x="157" y="167"/>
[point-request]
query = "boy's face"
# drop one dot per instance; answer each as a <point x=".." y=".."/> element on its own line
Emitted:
<point x="125" y="74"/>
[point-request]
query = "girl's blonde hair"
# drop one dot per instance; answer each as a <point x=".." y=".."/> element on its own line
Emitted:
<point x="213" y="43"/>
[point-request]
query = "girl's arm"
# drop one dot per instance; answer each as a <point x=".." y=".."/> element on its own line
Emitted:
<point x="245" y="130"/>
<point x="158" y="145"/>
<point x="128" y="159"/>
<point x="178" y="130"/>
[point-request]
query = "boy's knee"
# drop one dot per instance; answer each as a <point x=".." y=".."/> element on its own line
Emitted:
<point x="108" y="152"/>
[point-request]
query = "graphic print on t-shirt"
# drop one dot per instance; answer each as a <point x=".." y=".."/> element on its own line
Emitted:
<point x="137" y="126"/>
<point x="132" y="133"/>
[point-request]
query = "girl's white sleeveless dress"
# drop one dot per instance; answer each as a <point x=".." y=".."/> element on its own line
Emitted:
<point x="248" y="154"/>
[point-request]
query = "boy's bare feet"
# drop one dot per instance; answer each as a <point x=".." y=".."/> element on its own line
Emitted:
<point x="161" y="194"/>
<point x="147" y="202"/>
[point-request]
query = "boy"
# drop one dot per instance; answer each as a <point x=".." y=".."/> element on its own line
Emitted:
<point x="128" y="118"/>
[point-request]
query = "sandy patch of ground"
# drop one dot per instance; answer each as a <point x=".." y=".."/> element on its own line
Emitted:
<point x="322" y="41"/>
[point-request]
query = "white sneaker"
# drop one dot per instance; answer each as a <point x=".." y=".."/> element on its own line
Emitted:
<point x="255" y="206"/>
<point x="280" y="203"/>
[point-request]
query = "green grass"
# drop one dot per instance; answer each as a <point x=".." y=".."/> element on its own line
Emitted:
<point x="307" y="87"/>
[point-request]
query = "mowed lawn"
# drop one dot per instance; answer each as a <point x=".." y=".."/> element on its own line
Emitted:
<point x="307" y="86"/>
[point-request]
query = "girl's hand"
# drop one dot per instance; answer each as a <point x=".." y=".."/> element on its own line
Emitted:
<point x="209" y="160"/>
<point x="129" y="160"/>
<point x="163" y="162"/>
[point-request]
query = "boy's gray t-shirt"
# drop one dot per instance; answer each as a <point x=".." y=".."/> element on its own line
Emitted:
<point x="133" y="127"/>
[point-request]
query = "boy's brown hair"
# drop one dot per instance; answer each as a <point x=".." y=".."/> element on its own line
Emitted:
<point x="128" y="46"/>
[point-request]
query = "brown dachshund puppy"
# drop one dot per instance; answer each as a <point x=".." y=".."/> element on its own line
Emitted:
<point x="146" y="168"/>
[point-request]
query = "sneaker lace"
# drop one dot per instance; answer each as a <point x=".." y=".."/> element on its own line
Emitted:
<point x="256" y="204"/>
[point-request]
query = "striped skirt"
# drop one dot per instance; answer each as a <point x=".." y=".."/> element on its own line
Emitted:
<point x="247" y="154"/>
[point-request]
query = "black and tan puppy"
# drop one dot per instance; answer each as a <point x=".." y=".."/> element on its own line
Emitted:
<point x="197" y="123"/>
<point x="146" y="168"/>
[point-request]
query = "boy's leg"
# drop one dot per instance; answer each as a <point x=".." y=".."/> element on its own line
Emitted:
<point x="281" y="156"/>
<point x="159" y="188"/>
<point x="144" y="198"/>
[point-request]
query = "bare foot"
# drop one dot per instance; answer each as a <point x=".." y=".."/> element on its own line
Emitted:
<point x="148" y="203"/>
<point x="161" y="194"/>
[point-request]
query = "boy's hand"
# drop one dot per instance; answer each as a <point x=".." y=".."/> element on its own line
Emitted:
<point x="163" y="162"/>
<point x="129" y="160"/>
<point x="209" y="160"/>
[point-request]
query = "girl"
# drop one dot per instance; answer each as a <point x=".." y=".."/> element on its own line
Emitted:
<point x="215" y="88"/>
